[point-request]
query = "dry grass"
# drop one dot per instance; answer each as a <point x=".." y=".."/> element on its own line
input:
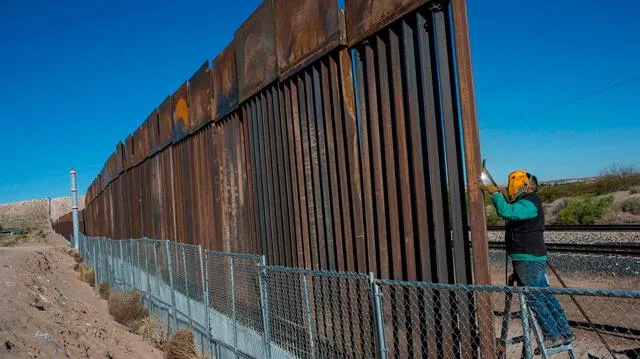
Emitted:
<point x="75" y="254"/>
<point x="85" y="274"/>
<point x="126" y="309"/>
<point x="103" y="290"/>
<point x="153" y="332"/>
<point x="182" y="346"/>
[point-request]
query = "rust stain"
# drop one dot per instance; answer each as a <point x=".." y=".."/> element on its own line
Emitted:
<point x="224" y="83"/>
<point x="180" y="112"/>
<point x="256" y="58"/>
<point x="164" y="117"/>
<point x="200" y="97"/>
<point x="364" y="17"/>
<point x="305" y="30"/>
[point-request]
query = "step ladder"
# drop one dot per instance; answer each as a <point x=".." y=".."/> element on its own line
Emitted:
<point x="528" y="322"/>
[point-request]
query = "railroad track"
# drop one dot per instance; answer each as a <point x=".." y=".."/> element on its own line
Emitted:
<point x="626" y="249"/>
<point x="632" y="250"/>
<point x="591" y="228"/>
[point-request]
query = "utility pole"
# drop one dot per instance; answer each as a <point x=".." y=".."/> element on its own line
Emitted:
<point x="74" y="208"/>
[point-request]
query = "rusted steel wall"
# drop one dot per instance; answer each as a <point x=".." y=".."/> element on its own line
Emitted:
<point x="64" y="224"/>
<point x="320" y="137"/>
<point x="325" y="139"/>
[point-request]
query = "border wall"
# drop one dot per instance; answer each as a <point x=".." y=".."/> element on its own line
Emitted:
<point x="323" y="138"/>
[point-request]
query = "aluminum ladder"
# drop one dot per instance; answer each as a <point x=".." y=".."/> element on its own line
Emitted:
<point x="528" y="322"/>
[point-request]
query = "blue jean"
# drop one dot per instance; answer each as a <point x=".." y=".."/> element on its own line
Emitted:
<point x="549" y="312"/>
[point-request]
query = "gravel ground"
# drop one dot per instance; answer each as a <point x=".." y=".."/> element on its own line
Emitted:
<point x="580" y="237"/>
<point x="608" y="266"/>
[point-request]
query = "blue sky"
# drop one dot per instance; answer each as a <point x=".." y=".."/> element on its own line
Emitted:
<point x="78" y="76"/>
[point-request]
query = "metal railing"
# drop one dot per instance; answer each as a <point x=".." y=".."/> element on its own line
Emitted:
<point x="238" y="307"/>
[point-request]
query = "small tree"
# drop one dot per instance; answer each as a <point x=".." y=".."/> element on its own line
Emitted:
<point x="618" y="170"/>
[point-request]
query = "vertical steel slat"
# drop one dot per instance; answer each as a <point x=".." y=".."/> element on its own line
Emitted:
<point x="298" y="130"/>
<point x="315" y="170"/>
<point x="292" y="170"/>
<point x="472" y="161"/>
<point x="365" y="158"/>
<point x="281" y="195"/>
<point x="343" y="78"/>
<point x="250" y="193"/>
<point x="325" y="199"/>
<point x="255" y="142"/>
<point x="269" y="202"/>
<point x="332" y="180"/>
<point x="396" y="262"/>
<point x="285" y="181"/>
<point x="453" y="156"/>
<point x="389" y="163"/>
<point x="403" y="145"/>
<point x="264" y="209"/>
<point x="286" y="175"/>
<point x="272" y="168"/>
<point x="308" y="180"/>
<point x="379" y="200"/>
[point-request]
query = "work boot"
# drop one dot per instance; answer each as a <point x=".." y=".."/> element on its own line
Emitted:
<point x="568" y="337"/>
<point x="553" y="341"/>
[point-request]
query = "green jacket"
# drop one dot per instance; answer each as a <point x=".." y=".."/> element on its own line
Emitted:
<point x="519" y="210"/>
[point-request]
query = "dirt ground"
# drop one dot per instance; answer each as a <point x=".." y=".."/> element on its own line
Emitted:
<point x="46" y="312"/>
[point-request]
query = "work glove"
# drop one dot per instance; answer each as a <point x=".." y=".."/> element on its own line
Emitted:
<point x="490" y="188"/>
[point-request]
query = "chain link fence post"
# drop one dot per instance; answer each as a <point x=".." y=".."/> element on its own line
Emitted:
<point x="233" y="307"/>
<point x="132" y="243"/>
<point x="205" y="299"/>
<point x="307" y="303"/>
<point x="186" y="285"/>
<point x="379" y="316"/>
<point x="171" y="284"/>
<point x="264" y="303"/>
<point x="526" y="332"/>
<point x="123" y="282"/>
<point x="95" y="260"/>
<point x="112" y="280"/>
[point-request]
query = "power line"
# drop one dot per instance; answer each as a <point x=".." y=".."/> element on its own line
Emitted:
<point x="573" y="100"/>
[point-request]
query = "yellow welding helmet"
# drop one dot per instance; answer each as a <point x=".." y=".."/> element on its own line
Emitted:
<point x="518" y="184"/>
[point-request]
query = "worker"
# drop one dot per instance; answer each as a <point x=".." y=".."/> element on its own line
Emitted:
<point x="524" y="238"/>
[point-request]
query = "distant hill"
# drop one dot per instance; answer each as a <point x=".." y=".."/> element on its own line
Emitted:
<point x="35" y="213"/>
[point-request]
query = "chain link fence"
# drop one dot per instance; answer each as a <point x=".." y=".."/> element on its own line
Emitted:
<point x="238" y="307"/>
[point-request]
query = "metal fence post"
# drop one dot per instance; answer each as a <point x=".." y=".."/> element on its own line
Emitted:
<point x="173" y="292"/>
<point x="526" y="335"/>
<point x="122" y="276"/>
<point x="133" y="268"/>
<point x="378" y="315"/>
<point x="308" y="309"/>
<point x="156" y="281"/>
<point x="146" y="257"/>
<point x="186" y="285"/>
<point x="205" y="298"/>
<point x="95" y="260"/>
<point x="112" y="280"/>
<point x="262" y="282"/>
<point x="233" y="309"/>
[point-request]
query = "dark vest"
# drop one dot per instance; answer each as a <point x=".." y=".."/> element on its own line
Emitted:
<point x="527" y="236"/>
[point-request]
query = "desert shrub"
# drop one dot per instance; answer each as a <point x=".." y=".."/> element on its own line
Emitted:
<point x="634" y="190"/>
<point x="612" y="179"/>
<point x="103" y="290"/>
<point x="182" y="346"/>
<point x="583" y="210"/>
<point x="631" y="205"/>
<point x="153" y="332"/>
<point x="126" y="309"/>
<point x="492" y="215"/>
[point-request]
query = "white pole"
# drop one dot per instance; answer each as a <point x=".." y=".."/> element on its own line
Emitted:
<point x="74" y="209"/>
